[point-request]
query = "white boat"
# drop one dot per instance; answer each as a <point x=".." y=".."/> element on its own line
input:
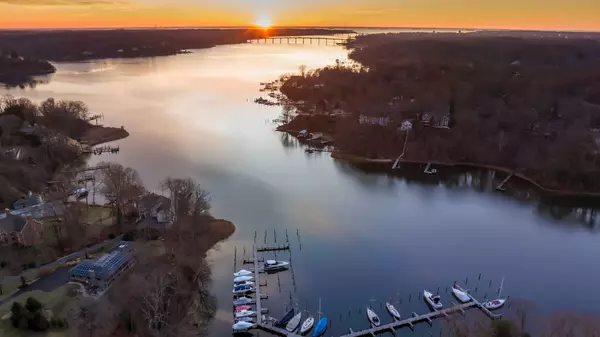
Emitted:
<point x="243" y="301"/>
<point x="497" y="303"/>
<point x="243" y="290"/>
<point x="242" y="326"/>
<point x="245" y="319"/>
<point x="242" y="279"/>
<point x="373" y="318"/>
<point x="392" y="310"/>
<point x="292" y="325"/>
<point x="242" y="272"/>
<point x="245" y="313"/>
<point x="307" y="325"/>
<point x="272" y="265"/>
<point x="245" y="283"/>
<point x="461" y="294"/>
<point x="432" y="300"/>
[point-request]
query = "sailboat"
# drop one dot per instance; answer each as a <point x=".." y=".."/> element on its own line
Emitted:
<point x="497" y="303"/>
<point x="461" y="294"/>
<point x="321" y="324"/>
<point x="373" y="318"/>
<point x="294" y="322"/>
<point x="307" y="325"/>
<point x="392" y="310"/>
<point x="432" y="300"/>
<point x="242" y="272"/>
<point x="286" y="318"/>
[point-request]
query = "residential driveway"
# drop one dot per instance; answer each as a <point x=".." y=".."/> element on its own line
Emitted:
<point x="47" y="283"/>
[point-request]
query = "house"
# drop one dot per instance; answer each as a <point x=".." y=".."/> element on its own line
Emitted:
<point x="17" y="230"/>
<point x="103" y="270"/>
<point x="436" y="120"/>
<point x="30" y="200"/>
<point x="406" y="126"/>
<point x="155" y="212"/>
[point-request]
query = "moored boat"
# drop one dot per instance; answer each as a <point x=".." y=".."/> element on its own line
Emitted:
<point x="245" y="283"/>
<point x="495" y="304"/>
<point x="242" y="272"/>
<point x="242" y="307"/>
<point x="461" y="294"/>
<point x="272" y="265"/>
<point x="320" y="327"/>
<point x="243" y="301"/>
<point x="242" y="326"/>
<point x="432" y="300"/>
<point x="292" y="325"/>
<point x="245" y="319"/>
<point x="286" y="318"/>
<point x="373" y="318"/>
<point x="242" y="289"/>
<point x="392" y="310"/>
<point x="245" y="313"/>
<point x="307" y="325"/>
<point x="240" y="279"/>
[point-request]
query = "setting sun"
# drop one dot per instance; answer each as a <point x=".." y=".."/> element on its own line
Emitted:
<point x="263" y="22"/>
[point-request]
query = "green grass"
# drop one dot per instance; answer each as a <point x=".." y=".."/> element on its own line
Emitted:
<point x="56" y="301"/>
<point x="9" y="287"/>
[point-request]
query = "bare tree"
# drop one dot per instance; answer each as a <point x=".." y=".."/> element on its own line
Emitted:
<point x="93" y="318"/>
<point x="122" y="186"/>
<point x="188" y="197"/>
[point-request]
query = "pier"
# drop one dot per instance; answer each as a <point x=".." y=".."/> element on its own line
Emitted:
<point x="301" y="40"/>
<point x="501" y="186"/>
<point x="267" y="323"/>
<point x="102" y="149"/>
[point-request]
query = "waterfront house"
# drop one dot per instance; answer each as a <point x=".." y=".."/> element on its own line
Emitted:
<point x="436" y="120"/>
<point x="155" y="213"/>
<point x="103" y="270"/>
<point x="18" y="230"/>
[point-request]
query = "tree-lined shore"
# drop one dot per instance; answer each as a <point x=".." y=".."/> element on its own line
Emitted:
<point x="526" y="104"/>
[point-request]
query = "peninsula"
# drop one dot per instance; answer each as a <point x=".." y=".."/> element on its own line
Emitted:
<point x="519" y="102"/>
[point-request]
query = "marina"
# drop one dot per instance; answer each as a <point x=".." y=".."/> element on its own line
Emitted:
<point x="273" y="325"/>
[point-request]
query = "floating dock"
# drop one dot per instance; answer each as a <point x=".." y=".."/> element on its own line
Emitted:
<point x="273" y="248"/>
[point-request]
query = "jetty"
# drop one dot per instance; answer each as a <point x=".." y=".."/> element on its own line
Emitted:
<point x="102" y="149"/>
<point x="301" y="40"/>
<point x="500" y="187"/>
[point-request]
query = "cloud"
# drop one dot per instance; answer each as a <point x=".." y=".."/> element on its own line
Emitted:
<point x="63" y="2"/>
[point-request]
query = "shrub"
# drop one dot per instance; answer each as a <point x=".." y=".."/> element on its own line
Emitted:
<point x="111" y="236"/>
<point x="33" y="305"/>
<point x="23" y="323"/>
<point x="16" y="309"/>
<point x="39" y="322"/>
<point x="128" y="236"/>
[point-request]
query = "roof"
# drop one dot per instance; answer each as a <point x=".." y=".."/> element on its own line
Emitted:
<point x="103" y="266"/>
<point x="150" y="200"/>
<point x="12" y="223"/>
<point x="151" y="223"/>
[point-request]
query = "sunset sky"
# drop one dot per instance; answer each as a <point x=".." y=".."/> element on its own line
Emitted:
<point x="515" y="14"/>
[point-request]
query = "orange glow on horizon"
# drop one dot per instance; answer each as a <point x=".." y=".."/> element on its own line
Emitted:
<point x="466" y="14"/>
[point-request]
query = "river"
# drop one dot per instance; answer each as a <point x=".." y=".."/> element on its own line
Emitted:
<point x="358" y="238"/>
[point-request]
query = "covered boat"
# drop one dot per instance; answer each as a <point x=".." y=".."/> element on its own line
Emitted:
<point x="245" y="313"/>
<point x="240" y="279"/>
<point x="245" y="283"/>
<point x="320" y="327"/>
<point x="307" y="325"/>
<point x="242" y="272"/>
<point x="293" y="324"/>
<point x="461" y="294"/>
<point x="286" y="318"/>
<point x="243" y="301"/>
<point x="373" y="318"/>
<point x="243" y="307"/>
<point x="242" y="289"/>
<point x="432" y="300"/>
<point x="245" y="319"/>
<point x="392" y="310"/>
<point x="242" y="326"/>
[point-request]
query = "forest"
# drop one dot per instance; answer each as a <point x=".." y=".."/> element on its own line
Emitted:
<point x="78" y="45"/>
<point x="526" y="104"/>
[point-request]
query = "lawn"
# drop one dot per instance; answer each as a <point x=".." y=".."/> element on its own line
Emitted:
<point x="10" y="286"/>
<point x="56" y="301"/>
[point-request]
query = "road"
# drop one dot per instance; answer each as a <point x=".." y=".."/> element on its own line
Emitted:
<point x="59" y="275"/>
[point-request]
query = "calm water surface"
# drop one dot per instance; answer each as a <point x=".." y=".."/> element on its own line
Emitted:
<point x="363" y="236"/>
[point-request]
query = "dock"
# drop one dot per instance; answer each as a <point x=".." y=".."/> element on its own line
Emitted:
<point x="102" y="149"/>
<point x="268" y="323"/>
<point x="410" y="322"/>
